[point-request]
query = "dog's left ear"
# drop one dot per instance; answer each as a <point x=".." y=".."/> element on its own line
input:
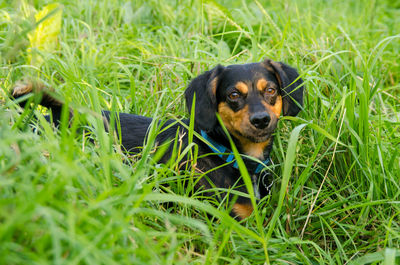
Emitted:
<point x="291" y="85"/>
<point x="205" y="88"/>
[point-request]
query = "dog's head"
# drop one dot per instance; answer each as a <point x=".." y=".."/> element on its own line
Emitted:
<point x="249" y="98"/>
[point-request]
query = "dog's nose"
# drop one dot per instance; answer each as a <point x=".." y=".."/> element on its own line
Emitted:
<point x="260" y="120"/>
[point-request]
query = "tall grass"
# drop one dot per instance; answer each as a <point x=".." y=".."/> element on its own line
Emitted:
<point x="65" y="198"/>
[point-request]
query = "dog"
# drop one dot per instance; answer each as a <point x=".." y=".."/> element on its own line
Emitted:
<point x="249" y="100"/>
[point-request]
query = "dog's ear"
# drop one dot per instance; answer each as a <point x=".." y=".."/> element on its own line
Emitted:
<point x="205" y="88"/>
<point x="291" y="85"/>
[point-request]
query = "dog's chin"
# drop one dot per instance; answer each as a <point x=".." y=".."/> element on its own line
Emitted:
<point x="259" y="139"/>
<point x="256" y="136"/>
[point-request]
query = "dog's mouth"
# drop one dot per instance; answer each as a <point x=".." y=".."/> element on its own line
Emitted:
<point x="256" y="135"/>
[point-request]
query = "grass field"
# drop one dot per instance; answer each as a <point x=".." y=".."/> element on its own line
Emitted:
<point x="67" y="200"/>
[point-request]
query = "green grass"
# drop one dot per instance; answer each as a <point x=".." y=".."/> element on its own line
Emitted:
<point x="336" y="199"/>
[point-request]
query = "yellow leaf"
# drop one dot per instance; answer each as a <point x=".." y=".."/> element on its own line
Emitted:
<point x="44" y="37"/>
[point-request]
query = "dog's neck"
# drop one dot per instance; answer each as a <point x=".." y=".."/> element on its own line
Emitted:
<point x="245" y="146"/>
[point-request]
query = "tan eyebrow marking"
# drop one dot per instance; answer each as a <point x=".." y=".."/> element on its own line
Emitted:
<point x="242" y="87"/>
<point x="261" y="84"/>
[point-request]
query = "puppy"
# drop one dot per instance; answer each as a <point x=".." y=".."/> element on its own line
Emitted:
<point x="249" y="99"/>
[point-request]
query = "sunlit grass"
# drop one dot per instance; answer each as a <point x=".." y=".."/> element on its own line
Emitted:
<point x="65" y="198"/>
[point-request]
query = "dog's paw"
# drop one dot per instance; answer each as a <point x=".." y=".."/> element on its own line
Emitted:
<point x="22" y="88"/>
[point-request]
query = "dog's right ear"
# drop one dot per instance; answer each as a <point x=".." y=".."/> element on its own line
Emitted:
<point x="205" y="88"/>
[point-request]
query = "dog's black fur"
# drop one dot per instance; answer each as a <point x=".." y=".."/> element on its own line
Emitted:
<point x="249" y="98"/>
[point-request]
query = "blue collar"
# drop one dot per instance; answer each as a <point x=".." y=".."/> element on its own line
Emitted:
<point x="227" y="155"/>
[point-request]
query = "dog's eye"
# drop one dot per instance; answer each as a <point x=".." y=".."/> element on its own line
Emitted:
<point x="270" y="91"/>
<point x="234" y="95"/>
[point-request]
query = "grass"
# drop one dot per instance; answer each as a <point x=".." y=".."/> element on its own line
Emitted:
<point x="66" y="199"/>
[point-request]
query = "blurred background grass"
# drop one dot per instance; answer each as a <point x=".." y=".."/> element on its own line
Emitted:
<point x="66" y="200"/>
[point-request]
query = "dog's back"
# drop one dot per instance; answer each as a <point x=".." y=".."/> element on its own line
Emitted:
<point x="131" y="129"/>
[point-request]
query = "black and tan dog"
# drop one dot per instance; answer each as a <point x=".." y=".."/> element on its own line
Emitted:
<point x="249" y="99"/>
